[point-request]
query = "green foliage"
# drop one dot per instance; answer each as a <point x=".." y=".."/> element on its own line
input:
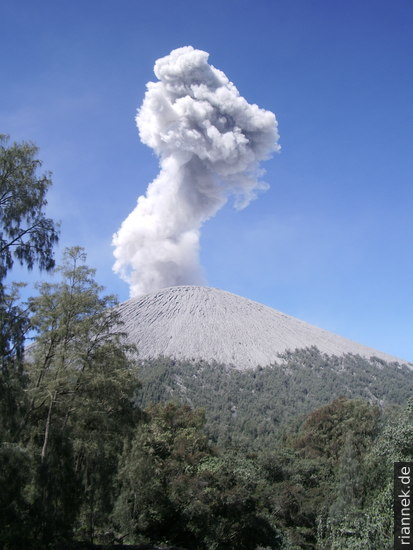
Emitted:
<point x="235" y="504"/>
<point x="15" y="474"/>
<point x="81" y="385"/>
<point x="53" y="494"/>
<point x="14" y="323"/>
<point x="25" y="233"/>
<point x="175" y="489"/>
<point x="166" y="448"/>
<point x="359" y="514"/>
<point x="329" y="429"/>
<point x="253" y="407"/>
<point x="77" y="412"/>
<point x="316" y="476"/>
<point x="27" y="236"/>
<point x="318" y="481"/>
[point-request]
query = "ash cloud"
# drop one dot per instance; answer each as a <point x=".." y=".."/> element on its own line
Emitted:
<point x="210" y="142"/>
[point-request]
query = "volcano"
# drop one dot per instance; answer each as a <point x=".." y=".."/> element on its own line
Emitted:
<point x="200" y="323"/>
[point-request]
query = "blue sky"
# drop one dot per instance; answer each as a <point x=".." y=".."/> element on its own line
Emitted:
<point x="331" y="241"/>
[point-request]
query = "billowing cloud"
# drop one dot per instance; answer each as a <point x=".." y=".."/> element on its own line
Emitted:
<point x="210" y="142"/>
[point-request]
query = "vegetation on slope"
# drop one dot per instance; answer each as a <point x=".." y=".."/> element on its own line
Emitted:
<point x="251" y="407"/>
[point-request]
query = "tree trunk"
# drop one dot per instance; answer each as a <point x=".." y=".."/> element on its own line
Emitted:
<point x="48" y="422"/>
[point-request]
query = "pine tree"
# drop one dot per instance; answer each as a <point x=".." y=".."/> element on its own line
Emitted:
<point x="28" y="236"/>
<point x="81" y="388"/>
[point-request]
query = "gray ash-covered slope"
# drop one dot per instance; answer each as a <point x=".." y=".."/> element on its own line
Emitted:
<point x="201" y="323"/>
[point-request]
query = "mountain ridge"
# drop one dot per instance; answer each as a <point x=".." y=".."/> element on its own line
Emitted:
<point x="203" y="323"/>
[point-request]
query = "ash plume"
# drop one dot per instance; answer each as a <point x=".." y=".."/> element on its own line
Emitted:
<point x="210" y="141"/>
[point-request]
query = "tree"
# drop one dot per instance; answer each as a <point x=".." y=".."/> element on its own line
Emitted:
<point x="166" y="448"/>
<point x="25" y="233"/>
<point x="325" y="430"/>
<point x="14" y="324"/>
<point x="81" y="388"/>
<point x="176" y="489"/>
<point x="28" y="236"/>
<point x="15" y="474"/>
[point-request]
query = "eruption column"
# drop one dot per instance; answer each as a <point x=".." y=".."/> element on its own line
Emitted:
<point x="210" y="141"/>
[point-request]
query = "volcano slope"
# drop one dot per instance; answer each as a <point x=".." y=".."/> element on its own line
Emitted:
<point x="252" y="369"/>
<point x="200" y="323"/>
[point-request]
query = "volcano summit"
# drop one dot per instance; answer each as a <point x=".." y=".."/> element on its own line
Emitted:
<point x="202" y="323"/>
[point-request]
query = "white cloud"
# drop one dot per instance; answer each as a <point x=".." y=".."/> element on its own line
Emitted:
<point x="210" y="141"/>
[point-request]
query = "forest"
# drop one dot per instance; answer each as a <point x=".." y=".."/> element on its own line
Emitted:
<point x="252" y="408"/>
<point x="100" y="450"/>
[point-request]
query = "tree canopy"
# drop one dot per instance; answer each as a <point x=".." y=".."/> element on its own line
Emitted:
<point x="74" y="414"/>
<point x="26" y="234"/>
